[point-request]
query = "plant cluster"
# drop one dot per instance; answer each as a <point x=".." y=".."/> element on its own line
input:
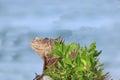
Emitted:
<point x="75" y="62"/>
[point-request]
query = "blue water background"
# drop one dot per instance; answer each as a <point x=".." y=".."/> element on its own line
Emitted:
<point x="80" y="21"/>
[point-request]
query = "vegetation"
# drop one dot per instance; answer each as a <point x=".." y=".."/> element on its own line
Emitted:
<point x="74" y="62"/>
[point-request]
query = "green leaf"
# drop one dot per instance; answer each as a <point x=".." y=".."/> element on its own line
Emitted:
<point x="56" y="43"/>
<point x="84" y="66"/>
<point x="84" y="62"/>
<point x="67" y="61"/>
<point x="98" y="53"/>
<point x="92" y="46"/>
<point x="80" y="68"/>
<point x="77" y="60"/>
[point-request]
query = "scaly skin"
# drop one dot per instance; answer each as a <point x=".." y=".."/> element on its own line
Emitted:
<point x="43" y="46"/>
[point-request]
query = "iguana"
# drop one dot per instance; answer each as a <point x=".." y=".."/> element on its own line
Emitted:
<point x="43" y="46"/>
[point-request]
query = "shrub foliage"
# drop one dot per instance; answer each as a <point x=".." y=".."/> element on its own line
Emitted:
<point x="75" y="62"/>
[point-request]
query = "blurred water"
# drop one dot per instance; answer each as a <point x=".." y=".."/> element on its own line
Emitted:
<point x="81" y="21"/>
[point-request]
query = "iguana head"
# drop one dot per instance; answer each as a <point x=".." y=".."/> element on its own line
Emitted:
<point x="43" y="45"/>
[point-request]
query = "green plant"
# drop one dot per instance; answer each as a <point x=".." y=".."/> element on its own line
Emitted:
<point x="75" y="63"/>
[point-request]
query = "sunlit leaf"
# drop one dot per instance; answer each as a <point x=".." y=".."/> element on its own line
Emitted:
<point x="76" y="62"/>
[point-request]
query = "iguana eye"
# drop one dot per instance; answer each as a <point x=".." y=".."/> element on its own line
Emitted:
<point x="45" y="40"/>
